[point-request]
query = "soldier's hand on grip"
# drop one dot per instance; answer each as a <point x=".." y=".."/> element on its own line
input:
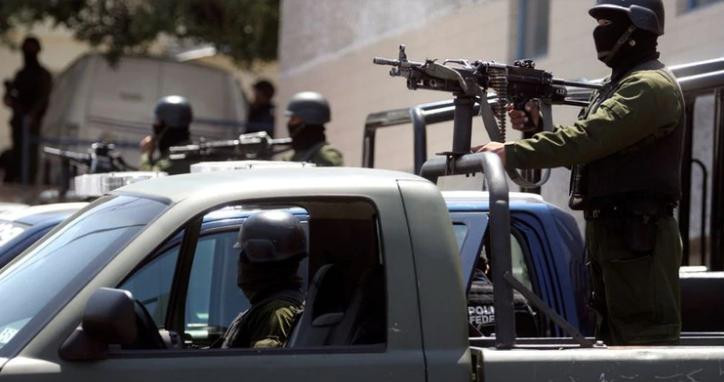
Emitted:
<point x="527" y="120"/>
<point x="147" y="144"/>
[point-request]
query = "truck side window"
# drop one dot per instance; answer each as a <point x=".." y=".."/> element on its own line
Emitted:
<point x="517" y="254"/>
<point x="213" y="298"/>
<point x="345" y="304"/>
<point x="520" y="267"/>
<point x="341" y="284"/>
<point x="151" y="285"/>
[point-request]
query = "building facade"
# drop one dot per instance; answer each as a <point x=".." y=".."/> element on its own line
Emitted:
<point x="328" y="46"/>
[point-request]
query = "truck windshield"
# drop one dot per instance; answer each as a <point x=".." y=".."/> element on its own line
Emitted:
<point x="41" y="281"/>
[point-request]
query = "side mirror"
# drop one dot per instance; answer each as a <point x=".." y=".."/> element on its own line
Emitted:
<point x="108" y="318"/>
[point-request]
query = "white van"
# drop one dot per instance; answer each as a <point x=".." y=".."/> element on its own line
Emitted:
<point x="93" y="100"/>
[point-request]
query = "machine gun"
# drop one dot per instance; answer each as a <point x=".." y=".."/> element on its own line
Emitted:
<point x="248" y="146"/>
<point x="470" y="81"/>
<point x="101" y="158"/>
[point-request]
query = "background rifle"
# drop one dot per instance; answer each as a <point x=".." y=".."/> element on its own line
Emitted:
<point x="100" y="158"/>
<point x="248" y="146"/>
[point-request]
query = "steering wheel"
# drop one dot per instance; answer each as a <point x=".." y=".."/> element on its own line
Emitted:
<point x="148" y="335"/>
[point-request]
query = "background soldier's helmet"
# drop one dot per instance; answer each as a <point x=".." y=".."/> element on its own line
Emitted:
<point x="271" y="236"/>
<point x="311" y="107"/>
<point x="174" y="111"/>
<point x="644" y="14"/>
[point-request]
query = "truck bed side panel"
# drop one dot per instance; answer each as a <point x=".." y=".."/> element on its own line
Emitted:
<point x="621" y="364"/>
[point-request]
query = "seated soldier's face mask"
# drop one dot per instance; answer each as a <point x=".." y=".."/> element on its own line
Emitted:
<point x="259" y="280"/>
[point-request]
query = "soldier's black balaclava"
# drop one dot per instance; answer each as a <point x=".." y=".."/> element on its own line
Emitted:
<point x="261" y="280"/>
<point x="305" y="136"/>
<point x="170" y="136"/>
<point x="614" y="43"/>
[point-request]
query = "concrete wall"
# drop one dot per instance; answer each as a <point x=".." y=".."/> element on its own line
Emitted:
<point x="328" y="45"/>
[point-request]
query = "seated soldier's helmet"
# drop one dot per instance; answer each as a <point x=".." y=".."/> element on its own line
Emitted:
<point x="270" y="236"/>
<point x="647" y="15"/>
<point x="174" y="111"/>
<point x="311" y="107"/>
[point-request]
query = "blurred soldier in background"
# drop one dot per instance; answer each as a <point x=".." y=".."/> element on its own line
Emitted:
<point x="308" y="112"/>
<point x="173" y="117"/>
<point x="27" y="95"/>
<point x="261" y="109"/>
<point x="272" y="245"/>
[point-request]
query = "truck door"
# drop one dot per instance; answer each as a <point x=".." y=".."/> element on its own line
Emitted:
<point x="191" y="290"/>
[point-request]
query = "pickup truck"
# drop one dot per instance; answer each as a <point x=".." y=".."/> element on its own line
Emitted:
<point x="399" y="312"/>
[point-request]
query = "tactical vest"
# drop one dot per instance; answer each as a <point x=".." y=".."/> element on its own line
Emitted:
<point x="649" y="168"/>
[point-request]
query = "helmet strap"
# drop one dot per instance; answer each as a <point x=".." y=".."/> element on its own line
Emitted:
<point x="619" y="43"/>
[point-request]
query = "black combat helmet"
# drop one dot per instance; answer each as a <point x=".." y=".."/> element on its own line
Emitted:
<point x="271" y="236"/>
<point x="647" y="15"/>
<point x="311" y="107"/>
<point x="174" y="112"/>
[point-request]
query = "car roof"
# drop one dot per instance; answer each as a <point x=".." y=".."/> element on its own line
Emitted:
<point x="461" y="200"/>
<point x="37" y="214"/>
<point x="7" y="207"/>
<point x="261" y="182"/>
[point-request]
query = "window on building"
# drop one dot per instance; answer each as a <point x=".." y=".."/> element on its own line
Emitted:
<point x="532" y="28"/>
<point x="688" y="5"/>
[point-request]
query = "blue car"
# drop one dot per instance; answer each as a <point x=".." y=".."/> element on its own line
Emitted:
<point x="21" y="227"/>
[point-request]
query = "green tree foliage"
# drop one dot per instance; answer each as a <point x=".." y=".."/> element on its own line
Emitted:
<point x="245" y="30"/>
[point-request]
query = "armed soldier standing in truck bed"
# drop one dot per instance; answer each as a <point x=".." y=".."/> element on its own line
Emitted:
<point x="308" y="112"/>
<point x="627" y="151"/>
<point x="173" y="116"/>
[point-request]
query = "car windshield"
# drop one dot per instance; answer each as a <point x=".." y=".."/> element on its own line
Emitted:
<point x="65" y="261"/>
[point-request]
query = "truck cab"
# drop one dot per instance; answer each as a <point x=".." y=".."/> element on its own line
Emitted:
<point x="370" y="314"/>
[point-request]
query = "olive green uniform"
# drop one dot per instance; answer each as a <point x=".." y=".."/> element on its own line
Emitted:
<point x="630" y="142"/>
<point x="265" y="326"/>
<point x="164" y="164"/>
<point x="322" y="155"/>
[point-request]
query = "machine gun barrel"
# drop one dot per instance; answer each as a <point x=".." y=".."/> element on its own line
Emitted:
<point x="82" y="158"/>
<point x="385" y="61"/>
<point x="577" y="84"/>
<point x="247" y="146"/>
<point x="281" y="142"/>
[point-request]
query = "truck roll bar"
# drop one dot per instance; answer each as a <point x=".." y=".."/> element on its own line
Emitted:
<point x="460" y="162"/>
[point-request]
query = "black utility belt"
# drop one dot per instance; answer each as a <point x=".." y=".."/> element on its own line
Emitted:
<point x="624" y="211"/>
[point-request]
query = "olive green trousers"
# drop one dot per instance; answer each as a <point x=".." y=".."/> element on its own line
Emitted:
<point x="635" y="293"/>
